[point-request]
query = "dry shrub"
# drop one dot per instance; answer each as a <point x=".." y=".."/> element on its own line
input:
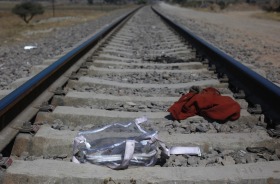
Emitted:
<point x="215" y="7"/>
<point x="13" y="29"/>
<point x="271" y="6"/>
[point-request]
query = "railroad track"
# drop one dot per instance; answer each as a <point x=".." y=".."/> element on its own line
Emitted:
<point x="140" y="69"/>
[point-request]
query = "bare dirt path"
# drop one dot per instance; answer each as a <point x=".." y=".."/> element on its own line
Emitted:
<point x="248" y="39"/>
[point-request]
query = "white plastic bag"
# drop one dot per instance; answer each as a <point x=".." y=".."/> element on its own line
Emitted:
<point x="117" y="145"/>
<point x="122" y="144"/>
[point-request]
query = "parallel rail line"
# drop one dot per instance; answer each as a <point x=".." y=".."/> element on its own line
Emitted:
<point x="258" y="90"/>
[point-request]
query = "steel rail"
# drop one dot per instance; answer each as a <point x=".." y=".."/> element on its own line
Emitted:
<point x="258" y="89"/>
<point x="14" y="103"/>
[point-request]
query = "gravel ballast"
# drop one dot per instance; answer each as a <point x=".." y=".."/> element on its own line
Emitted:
<point x="259" y="48"/>
<point x="16" y="62"/>
<point x="247" y="39"/>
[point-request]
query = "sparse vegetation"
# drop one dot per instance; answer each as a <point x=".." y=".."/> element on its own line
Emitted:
<point x="142" y="2"/>
<point x="210" y="5"/>
<point x="90" y="2"/>
<point x="268" y="5"/>
<point x="222" y="4"/>
<point x="27" y="10"/>
<point x="14" y="29"/>
<point x="271" y="6"/>
<point x="268" y="15"/>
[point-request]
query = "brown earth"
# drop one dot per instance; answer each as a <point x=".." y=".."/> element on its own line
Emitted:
<point x="239" y="33"/>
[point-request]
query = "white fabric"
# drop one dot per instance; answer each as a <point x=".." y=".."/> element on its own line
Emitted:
<point x="185" y="150"/>
<point x="129" y="150"/>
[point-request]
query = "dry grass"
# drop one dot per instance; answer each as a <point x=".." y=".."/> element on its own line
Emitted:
<point x="229" y="7"/>
<point x="13" y="29"/>
<point x="268" y="15"/>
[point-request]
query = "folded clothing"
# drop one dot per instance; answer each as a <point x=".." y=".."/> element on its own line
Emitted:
<point x="208" y="103"/>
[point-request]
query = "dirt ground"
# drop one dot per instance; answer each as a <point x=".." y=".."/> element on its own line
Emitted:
<point x="239" y="29"/>
<point x="14" y="30"/>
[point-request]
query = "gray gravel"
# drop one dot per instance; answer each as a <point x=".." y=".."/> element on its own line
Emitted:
<point x="157" y="78"/>
<point x="250" y="41"/>
<point x="149" y="92"/>
<point x="15" y="62"/>
<point x="196" y="126"/>
<point x="133" y="107"/>
<point x="219" y="157"/>
<point x="215" y="157"/>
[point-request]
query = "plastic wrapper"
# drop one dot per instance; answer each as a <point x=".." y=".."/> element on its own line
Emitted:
<point x="117" y="146"/>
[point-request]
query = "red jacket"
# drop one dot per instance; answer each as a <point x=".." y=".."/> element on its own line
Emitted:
<point x="209" y="103"/>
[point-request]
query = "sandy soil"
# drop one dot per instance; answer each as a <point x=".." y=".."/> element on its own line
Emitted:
<point x="246" y="38"/>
